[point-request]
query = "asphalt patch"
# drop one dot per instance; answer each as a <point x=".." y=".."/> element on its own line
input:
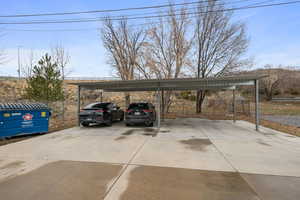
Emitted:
<point x="196" y="144"/>
<point x="62" y="180"/>
<point x="11" y="165"/>
<point x="161" y="183"/>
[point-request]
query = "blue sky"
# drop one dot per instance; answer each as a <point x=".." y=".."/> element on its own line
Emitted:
<point x="274" y="33"/>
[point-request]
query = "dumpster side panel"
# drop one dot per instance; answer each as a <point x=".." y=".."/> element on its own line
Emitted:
<point x="26" y="121"/>
<point x="10" y="123"/>
<point x="35" y="121"/>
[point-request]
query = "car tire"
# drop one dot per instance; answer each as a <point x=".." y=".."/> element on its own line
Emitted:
<point x="122" y="118"/>
<point x="149" y="124"/>
<point x="127" y="124"/>
<point x="85" y="124"/>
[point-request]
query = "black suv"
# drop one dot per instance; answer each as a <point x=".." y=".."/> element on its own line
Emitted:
<point x="140" y="113"/>
<point x="100" y="113"/>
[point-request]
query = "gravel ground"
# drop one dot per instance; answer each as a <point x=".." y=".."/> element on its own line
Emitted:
<point x="292" y="120"/>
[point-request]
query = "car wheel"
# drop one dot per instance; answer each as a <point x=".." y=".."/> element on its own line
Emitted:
<point x="122" y="118"/>
<point x="85" y="124"/>
<point x="127" y="124"/>
<point x="149" y="124"/>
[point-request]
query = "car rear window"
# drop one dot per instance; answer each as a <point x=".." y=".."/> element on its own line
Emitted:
<point x="96" y="106"/>
<point x="138" y="106"/>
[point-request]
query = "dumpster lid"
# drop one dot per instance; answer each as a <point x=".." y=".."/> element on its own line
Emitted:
<point x="23" y="106"/>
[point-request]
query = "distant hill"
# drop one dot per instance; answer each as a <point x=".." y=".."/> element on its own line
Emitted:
<point x="289" y="84"/>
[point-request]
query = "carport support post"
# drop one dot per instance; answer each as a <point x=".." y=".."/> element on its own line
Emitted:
<point x="78" y="105"/>
<point x="257" y="104"/>
<point x="158" y="100"/>
<point x="233" y="105"/>
<point x="162" y="105"/>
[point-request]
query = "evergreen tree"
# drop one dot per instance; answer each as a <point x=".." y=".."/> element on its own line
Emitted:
<point x="45" y="83"/>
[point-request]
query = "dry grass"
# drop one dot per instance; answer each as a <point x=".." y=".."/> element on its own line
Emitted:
<point x="276" y="126"/>
<point x="278" y="108"/>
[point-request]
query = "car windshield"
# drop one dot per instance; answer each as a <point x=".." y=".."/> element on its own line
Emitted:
<point x="138" y="106"/>
<point x="96" y="106"/>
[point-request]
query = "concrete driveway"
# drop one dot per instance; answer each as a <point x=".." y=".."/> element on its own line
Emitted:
<point x="186" y="159"/>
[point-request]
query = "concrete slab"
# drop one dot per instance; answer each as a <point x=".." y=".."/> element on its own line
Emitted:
<point x="182" y="145"/>
<point x="191" y="153"/>
<point x="74" y="146"/>
<point x="260" y="158"/>
<point x="180" y="129"/>
<point x="63" y="180"/>
<point x="160" y="183"/>
<point x="249" y="151"/>
<point x="271" y="187"/>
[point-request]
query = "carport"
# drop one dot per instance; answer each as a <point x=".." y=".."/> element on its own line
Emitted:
<point x="161" y="85"/>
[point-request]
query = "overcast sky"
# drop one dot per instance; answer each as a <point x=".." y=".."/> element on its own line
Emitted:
<point x="274" y="33"/>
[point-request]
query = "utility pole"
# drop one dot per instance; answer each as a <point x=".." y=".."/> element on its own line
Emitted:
<point x="19" y="63"/>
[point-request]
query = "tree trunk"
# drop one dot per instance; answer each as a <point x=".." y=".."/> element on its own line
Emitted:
<point x="269" y="94"/>
<point x="167" y="101"/>
<point x="199" y="100"/>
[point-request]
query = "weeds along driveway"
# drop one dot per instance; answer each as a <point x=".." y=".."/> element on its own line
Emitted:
<point x="185" y="159"/>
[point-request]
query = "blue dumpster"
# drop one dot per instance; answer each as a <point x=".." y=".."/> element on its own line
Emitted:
<point x="23" y="118"/>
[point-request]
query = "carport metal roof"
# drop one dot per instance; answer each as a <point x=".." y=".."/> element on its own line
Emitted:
<point x="228" y="82"/>
<point x="220" y="83"/>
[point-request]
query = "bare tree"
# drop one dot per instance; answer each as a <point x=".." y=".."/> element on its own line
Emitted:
<point x="167" y="47"/>
<point x="62" y="59"/>
<point x="27" y="69"/>
<point x="123" y="44"/>
<point x="276" y="76"/>
<point x="219" y="44"/>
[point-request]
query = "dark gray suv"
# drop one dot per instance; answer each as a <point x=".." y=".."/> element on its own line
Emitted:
<point x="100" y="113"/>
<point x="140" y="113"/>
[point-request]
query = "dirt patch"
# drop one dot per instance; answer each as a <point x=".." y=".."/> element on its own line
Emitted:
<point x="161" y="183"/>
<point x="11" y="165"/>
<point x="196" y="144"/>
<point x="68" y="180"/>
<point x="120" y="138"/>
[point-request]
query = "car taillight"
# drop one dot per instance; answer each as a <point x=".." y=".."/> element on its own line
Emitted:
<point x="147" y="111"/>
<point x="99" y="111"/>
<point x="128" y="111"/>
